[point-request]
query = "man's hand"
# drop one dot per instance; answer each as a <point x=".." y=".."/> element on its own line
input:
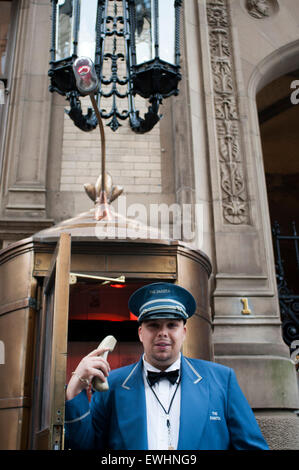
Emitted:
<point x="91" y="366"/>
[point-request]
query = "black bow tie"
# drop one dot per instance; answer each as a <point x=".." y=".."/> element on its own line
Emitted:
<point x="154" y="377"/>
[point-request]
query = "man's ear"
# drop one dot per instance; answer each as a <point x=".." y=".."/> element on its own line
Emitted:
<point x="185" y="331"/>
<point x="140" y="333"/>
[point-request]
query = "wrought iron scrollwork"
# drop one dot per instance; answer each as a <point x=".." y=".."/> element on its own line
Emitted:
<point x="140" y="125"/>
<point x="114" y="29"/>
<point x="86" y="122"/>
<point x="288" y="299"/>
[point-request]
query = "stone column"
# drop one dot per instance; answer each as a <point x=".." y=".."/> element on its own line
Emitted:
<point x="247" y="331"/>
<point x="25" y="157"/>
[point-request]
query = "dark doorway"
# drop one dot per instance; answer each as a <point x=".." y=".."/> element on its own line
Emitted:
<point x="279" y="117"/>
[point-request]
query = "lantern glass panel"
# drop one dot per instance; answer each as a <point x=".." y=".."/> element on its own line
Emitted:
<point x="167" y="31"/>
<point x="87" y="28"/>
<point x="145" y="30"/>
<point x="64" y="25"/>
<point x="144" y="34"/>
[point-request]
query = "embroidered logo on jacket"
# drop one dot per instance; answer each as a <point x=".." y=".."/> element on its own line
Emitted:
<point x="214" y="416"/>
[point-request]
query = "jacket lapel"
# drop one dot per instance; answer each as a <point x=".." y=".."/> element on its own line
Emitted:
<point x="194" y="406"/>
<point x="131" y="410"/>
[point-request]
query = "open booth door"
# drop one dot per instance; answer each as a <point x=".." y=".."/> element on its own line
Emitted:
<point x="52" y="358"/>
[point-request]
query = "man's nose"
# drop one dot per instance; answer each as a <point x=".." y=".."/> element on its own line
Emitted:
<point x="163" y="330"/>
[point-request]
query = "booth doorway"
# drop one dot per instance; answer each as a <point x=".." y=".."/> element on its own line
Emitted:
<point x="97" y="310"/>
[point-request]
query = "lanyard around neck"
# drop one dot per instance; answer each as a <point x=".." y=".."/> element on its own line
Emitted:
<point x="172" y="398"/>
<point x="170" y="447"/>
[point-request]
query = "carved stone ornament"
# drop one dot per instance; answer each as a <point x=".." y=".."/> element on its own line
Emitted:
<point x="258" y="8"/>
<point x="233" y="188"/>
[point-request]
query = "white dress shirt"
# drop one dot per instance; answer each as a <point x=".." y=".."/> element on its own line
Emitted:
<point x="160" y="437"/>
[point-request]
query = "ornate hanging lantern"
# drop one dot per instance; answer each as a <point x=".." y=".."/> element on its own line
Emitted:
<point x="141" y="41"/>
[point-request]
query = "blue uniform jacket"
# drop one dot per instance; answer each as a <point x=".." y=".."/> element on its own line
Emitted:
<point x="215" y="414"/>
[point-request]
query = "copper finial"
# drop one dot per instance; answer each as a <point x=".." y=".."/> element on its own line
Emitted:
<point x="103" y="197"/>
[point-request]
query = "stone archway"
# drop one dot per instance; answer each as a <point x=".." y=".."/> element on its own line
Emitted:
<point x="273" y="89"/>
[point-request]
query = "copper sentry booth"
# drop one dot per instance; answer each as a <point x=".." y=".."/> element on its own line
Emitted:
<point x="50" y="318"/>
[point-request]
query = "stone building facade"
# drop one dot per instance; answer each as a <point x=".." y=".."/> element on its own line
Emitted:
<point x="212" y="149"/>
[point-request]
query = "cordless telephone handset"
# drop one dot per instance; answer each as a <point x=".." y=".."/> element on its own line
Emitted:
<point x="108" y="342"/>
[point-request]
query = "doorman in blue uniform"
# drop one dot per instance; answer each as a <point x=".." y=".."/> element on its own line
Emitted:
<point x="166" y="400"/>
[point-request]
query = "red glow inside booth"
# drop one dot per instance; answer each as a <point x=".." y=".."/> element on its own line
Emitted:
<point x="97" y="310"/>
<point x="102" y="302"/>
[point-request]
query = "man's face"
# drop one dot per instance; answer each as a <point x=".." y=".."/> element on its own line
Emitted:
<point x="162" y="341"/>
